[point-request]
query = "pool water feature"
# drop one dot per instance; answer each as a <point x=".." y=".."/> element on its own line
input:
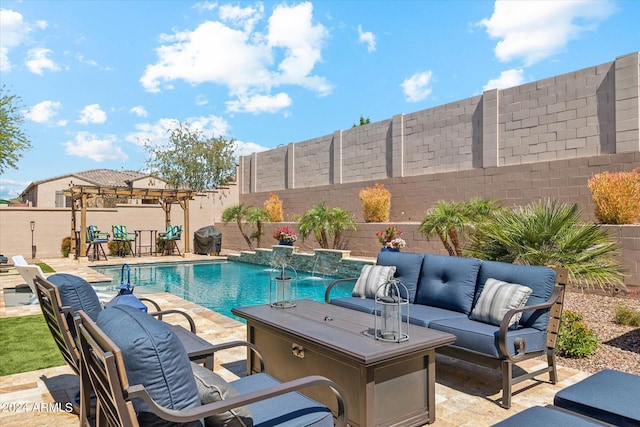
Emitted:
<point x="218" y="285"/>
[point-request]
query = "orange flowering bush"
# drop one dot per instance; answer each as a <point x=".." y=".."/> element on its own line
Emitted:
<point x="616" y="196"/>
<point x="376" y="203"/>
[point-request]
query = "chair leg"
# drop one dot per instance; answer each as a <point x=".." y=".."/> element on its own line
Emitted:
<point x="551" y="361"/>
<point x="175" y="244"/>
<point x="131" y="248"/>
<point x="100" y="248"/>
<point x="507" y="373"/>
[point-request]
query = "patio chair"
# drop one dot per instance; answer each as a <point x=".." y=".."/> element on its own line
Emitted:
<point x="28" y="274"/>
<point x="95" y="239"/>
<point x="150" y="381"/>
<point x="173" y="234"/>
<point x="120" y="234"/>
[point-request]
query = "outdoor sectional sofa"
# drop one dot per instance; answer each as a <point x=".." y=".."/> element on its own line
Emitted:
<point x="443" y="292"/>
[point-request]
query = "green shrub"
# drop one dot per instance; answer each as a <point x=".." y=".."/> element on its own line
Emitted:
<point x="575" y="339"/>
<point x="627" y="317"/>
<point x="376" y="203"/>
<point x="616" y="196"/>
<point x="65" y="247"/>
<point x="117" y="247"/>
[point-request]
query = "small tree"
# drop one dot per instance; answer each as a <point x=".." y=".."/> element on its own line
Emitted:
<point x="12" y="139"/>
<point x="237" y="214"/>
<point x="189" y="159"/>
<point x="376" y="203"/>
<point x="446" y="220"/>
<point x="257" y="217"/>
<point x="273" y="205"/>
<point x="363" y="121"/>
<point x="325" y="225"/>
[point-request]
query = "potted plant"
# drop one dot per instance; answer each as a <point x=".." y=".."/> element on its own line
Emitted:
<point x="285" y="236"/>
<point x="391" y="239"/>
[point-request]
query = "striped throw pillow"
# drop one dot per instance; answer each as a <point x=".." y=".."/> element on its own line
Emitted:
<point x="371" y="278"/>
<point x="498" y="297"/>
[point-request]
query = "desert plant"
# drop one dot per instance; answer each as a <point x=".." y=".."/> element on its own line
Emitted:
<point x="118" y="247"/>
<point x="627" y="316"/>
<point x="446" y="220"/>
<point x="257" y="217"/>
<point x="65" y="246"/>
<point x="575" y="338"/>
<point x="616" y="196"/>
<point x="238" y="214"/>
<point x="550" y="234"/>
<point x="376" y="203"/>
<point x="273" y="205"/>
<point x="326" y="224"/>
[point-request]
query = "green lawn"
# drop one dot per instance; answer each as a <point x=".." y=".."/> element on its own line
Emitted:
<point x="26" y="345"/>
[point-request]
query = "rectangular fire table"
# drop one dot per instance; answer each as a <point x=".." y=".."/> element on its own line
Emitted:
<point x="385" y="383"/>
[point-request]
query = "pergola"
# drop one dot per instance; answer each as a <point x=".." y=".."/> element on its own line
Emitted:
<point x="79" y="195"/>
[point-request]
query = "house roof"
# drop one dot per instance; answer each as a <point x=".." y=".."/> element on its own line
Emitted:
<point x="98" y="177"/>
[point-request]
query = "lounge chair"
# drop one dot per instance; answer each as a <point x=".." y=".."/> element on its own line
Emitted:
<point x="173" y="234"/>
<point x="28" y="274"/>
<point x="139" y="381"/>
<point x="120" y="234"/>
<point x="95" y="239"/>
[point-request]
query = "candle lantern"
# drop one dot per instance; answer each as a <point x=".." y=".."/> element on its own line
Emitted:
<point x="391" y="312"/>
<point x="283" y="286"/>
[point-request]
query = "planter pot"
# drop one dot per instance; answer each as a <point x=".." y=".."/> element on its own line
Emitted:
<point x="285" y="243"/>
<point x="390" y="250"/>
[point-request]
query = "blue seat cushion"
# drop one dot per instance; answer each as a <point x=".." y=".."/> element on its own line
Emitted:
<point x="293" y="409"/>
<point x="545" y="416"/>
<point x="448" y="282"/>
<point x="153" y="356"/>
<point x="77" y="293"/>
<point x="541" y="280"/>
<point x="355" y="303"/>
<point x="483" y="337"/>
<point x="610" y="396"/>
<point x="408" y="267"/>
<point x="423" y="315"/>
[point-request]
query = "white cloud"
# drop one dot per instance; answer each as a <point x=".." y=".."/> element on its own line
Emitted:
<point x="38" y="61"/>
<point x="139" y="111"/>
<point x="234" y="53"/>
<point x="157" y="134"/>
<point x="508" y="78"/>
<point x="246" y="148"/>
<point x="13" y="31"/>
<point x="92" y="114"/>
<point x="91" y="146"/>
<point x="535" y="30"/>
<point x="259" y="103"/>
<point x="417" y="87"/>
<point x="43" y="112"/>
<point x="10" y="188"/>
<point x="367" y="38"/>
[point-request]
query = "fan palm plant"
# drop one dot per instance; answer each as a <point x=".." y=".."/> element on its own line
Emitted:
<point x="551" y="234"/>
<point x="325" y="224"/>
<point x="446" y="220"/>
<point x="257" y="217"/>
<point x="237" y="214"/>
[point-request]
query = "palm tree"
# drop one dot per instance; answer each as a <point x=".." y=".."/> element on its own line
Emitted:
<point x="257" y="217"/>
<point x="238" y="214"/>
<point x="447" y="220"/>
<point x="550" y="234"/>
<point x="325" y="223"/>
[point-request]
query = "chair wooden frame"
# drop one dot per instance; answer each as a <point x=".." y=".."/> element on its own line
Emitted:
<point x="103" y="373"/>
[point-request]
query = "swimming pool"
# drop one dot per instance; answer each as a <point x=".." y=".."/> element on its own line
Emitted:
<point x="217" y="285"/>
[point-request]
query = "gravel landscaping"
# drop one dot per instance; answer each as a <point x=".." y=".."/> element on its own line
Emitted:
<point x="620" y="345"/>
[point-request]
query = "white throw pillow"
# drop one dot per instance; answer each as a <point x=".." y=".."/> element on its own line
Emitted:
<point x="371" y="278"/>
<point x="498" y="297"/>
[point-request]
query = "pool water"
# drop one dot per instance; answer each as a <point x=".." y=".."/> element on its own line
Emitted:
<point x="219" y="285"/>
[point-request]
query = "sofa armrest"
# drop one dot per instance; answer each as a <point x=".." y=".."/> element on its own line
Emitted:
<point x="521" y="343"/>
<point x="334" y="283"/>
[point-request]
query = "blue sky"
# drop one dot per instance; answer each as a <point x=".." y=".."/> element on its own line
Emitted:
<point x="98" y="78"/>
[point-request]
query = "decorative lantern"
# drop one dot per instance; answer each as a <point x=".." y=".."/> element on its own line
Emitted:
<point x="391" y="305"/>
<point x="125" y="293"/>
<point x="283" y="286"/>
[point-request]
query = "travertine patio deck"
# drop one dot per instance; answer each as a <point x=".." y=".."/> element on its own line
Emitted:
<point x="466" y="395"/>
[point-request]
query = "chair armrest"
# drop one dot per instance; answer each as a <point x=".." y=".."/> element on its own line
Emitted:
<point x="250" y="346"/>
<point x="521" y="343"/>
<point x="159" y="314"/>
<point x="334" y="283"/>
<point x="192" y="414"/>
<point x="155" y="305"/>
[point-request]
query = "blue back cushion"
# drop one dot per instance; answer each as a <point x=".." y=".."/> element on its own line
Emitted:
<point x="448" y="282"/>
<point x="541" y="280"/>
<point x="77" y="293"/>
<point x="153" y="356"/>
<point x="408" y="267"/>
